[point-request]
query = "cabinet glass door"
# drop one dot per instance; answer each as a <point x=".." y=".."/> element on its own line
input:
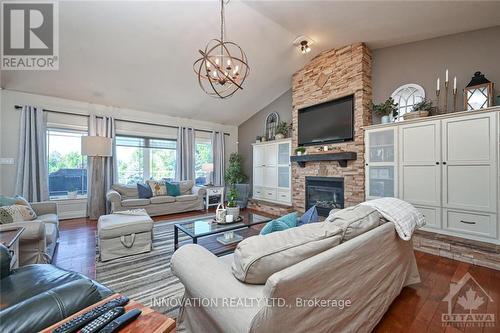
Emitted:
<point x="284" y="153"/>
<point x="381" y="181"/>
<point x="381" y="146"/>
<point x="284" y="177"/>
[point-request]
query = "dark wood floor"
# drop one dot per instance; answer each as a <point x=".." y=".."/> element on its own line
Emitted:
<point x="417" y="309"/>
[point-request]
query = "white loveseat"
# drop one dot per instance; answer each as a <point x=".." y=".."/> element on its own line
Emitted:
<point x="369" y="270"/>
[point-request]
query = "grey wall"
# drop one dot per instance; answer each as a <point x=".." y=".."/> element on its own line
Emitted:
<point x="422" y="62"/>
<point x="255" y="126"/>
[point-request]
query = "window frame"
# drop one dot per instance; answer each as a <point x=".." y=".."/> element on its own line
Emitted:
<point x="147" y="156"/>
<point x="68" y="129"/>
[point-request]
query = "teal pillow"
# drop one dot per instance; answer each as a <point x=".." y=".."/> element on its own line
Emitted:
<point x="282" y="223"/>
<point x="7" y="201"/>
<point x="173" y="190"/>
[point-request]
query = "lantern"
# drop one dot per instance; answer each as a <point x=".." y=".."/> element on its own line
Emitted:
<point x="479" y="93"/>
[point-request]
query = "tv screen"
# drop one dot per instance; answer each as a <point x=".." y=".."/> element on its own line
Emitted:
<point x="327" y="122"/>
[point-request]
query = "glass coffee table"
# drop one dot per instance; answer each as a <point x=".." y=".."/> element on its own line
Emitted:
<point x="224" y="238"/>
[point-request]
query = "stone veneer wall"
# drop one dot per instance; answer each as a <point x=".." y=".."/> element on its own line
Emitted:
<point x="349" y="69"/>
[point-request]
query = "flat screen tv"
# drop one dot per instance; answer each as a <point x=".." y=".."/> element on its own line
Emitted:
<point x="327" y="122"/>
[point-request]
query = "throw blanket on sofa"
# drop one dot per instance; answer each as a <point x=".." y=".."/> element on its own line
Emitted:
<point x="405" y="216"/>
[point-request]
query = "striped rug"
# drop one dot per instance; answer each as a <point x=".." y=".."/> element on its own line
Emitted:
<point x="147" y="277"/>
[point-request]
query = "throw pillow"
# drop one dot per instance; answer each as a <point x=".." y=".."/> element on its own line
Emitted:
<point x="7" y="201"/>
<point x="173" y="189"/>
<point x="158" y="187"/>
<point x="144" y="191"/>
<point x="16" y="213"/>
<point x="282" y="223"/>
<point x="311" y="216"/>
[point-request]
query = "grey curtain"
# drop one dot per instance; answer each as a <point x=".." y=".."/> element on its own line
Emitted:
<point x="32" y="170"/>
<point x="218" y="147"/>
<point x="185" y="154"/>
<point x="102" y="171"/>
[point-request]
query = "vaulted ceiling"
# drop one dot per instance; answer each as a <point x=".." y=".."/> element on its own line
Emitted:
<point x="139" y="54"/>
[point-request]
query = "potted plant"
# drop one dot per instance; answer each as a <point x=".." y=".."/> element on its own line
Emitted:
<point x="384" y="110"/>
<point x="281" y="131"/>
<point x="258" y="138"/>
<point x="234" y="175"/>
<point x="300" y="151"/>
<point x="421" y="109"/>
<point x="72" y="193"/>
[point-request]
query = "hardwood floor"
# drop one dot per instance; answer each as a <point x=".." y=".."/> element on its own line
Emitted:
<point x="417" y="309"/>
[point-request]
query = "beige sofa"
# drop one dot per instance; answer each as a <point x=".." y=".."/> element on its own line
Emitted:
<point x="126" y="197"/>
<point x="39" y="238"/>
<point x="369" y="270"/>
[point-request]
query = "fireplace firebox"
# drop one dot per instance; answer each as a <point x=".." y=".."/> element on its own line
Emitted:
<point x="326" y="193"/>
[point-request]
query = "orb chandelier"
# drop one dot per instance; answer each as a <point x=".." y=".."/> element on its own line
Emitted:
<point x="223" y="66"/>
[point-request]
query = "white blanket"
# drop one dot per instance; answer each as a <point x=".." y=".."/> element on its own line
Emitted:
<point x="405" y="216"/>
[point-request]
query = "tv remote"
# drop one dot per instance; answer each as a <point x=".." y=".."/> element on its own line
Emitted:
<point x="121" y="321"/>
<point x="101" y="321"/>
<point x="78" y="322"/>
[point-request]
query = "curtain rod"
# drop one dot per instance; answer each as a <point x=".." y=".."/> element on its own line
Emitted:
<point x="118" y="119"/>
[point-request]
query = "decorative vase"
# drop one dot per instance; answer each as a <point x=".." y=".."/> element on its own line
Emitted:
<point x="279" y="136"/>
<point x="235" y="211"/>
<point x="299" y="153"/>
<point x="385" y="120"/>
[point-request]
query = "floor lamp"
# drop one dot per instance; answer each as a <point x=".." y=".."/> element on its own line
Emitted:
<point x="97" y="147"/>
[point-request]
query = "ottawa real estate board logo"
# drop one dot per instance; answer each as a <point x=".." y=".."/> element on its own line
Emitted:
<point x="469" y="305"/>
<point x="30" y="35"/>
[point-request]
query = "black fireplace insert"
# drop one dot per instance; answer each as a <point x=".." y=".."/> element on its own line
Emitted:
<point x="326" y="193"/>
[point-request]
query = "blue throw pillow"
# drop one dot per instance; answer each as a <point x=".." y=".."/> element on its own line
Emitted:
<point x="144" y="191"/>
<point x="311" y="216"/>
<point x="173" y="189"/>
<point x="282" y="223"/>
<point x="7" y="201"/>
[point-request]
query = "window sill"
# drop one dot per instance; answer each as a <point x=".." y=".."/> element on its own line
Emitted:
<point x="65" y="198"/>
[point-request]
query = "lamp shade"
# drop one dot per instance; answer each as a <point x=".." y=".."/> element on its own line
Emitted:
<point x="97" y="146"/>
<point x="207" y="167"/>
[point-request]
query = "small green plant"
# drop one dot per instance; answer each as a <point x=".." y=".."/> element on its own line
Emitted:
<point x="282" y="128"/>
<point x="232" y="196"/>
<point x="301" y="150"/>
<point x="387" y="108"/>
<point x="424" y="105"/>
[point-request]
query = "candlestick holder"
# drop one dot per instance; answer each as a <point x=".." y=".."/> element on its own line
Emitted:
<point x="437" y="101"/>
<point x="454" y="99"/>
<point x="445" y="97"/>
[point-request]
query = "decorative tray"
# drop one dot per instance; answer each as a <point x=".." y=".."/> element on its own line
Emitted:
<point x="236" y="220"/>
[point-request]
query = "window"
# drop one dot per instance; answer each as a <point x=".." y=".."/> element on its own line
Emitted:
<point x="203" y="161"/>
<point x="66" y="165"/>
<point x="144" y="158"/>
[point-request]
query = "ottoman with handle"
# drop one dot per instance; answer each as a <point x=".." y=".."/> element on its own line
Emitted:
<point x="123" y="234"/>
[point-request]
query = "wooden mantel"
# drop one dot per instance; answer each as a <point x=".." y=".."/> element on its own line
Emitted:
<point x="341" y="157"/>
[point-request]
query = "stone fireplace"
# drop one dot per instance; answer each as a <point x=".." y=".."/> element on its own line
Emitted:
<point x="326" y="193"/>
<point x="348" y="72"/>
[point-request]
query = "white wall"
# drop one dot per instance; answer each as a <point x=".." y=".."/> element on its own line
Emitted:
<point x="9" y="125"/>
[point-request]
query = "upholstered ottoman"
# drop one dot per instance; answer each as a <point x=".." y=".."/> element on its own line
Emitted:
<point x="124" y="234"/>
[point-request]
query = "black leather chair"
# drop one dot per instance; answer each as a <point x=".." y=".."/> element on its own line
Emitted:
<point x="34" y="297"/>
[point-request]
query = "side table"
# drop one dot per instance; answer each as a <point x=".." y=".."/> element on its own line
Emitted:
<point x="214" y="196"/>
<point x="10" y="239"/>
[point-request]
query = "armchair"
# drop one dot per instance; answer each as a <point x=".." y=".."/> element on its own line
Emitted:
<point x="39" y="238"/>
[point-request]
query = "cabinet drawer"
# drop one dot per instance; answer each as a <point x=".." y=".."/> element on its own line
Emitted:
<point x="432" y="216"/>
<point x="472" y="223"/>
<point x="283" y="196"/>
<point x="214" y="191"/>
<point x="257" y="192"/>
<point x="269" y="193"/>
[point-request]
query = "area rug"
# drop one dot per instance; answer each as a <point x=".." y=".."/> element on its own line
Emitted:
<point x="147" y="277"/>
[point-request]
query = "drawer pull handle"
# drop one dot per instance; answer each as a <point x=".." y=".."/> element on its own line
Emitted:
<point x="467" y="222"/>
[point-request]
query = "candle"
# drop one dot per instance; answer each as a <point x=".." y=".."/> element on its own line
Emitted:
<point x="455" y="83"/>
<point x="446" y="80"/>
<point x="437" y="85"/>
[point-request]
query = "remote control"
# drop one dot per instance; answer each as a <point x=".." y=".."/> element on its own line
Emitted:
<point x="96" y="324"/>
<point x="76" y="323"/>
<point x="121" y="321"/>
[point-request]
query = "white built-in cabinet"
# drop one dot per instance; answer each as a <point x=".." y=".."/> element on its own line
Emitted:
<point x="272" y="172"/>
<point x="446" y="166"/>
